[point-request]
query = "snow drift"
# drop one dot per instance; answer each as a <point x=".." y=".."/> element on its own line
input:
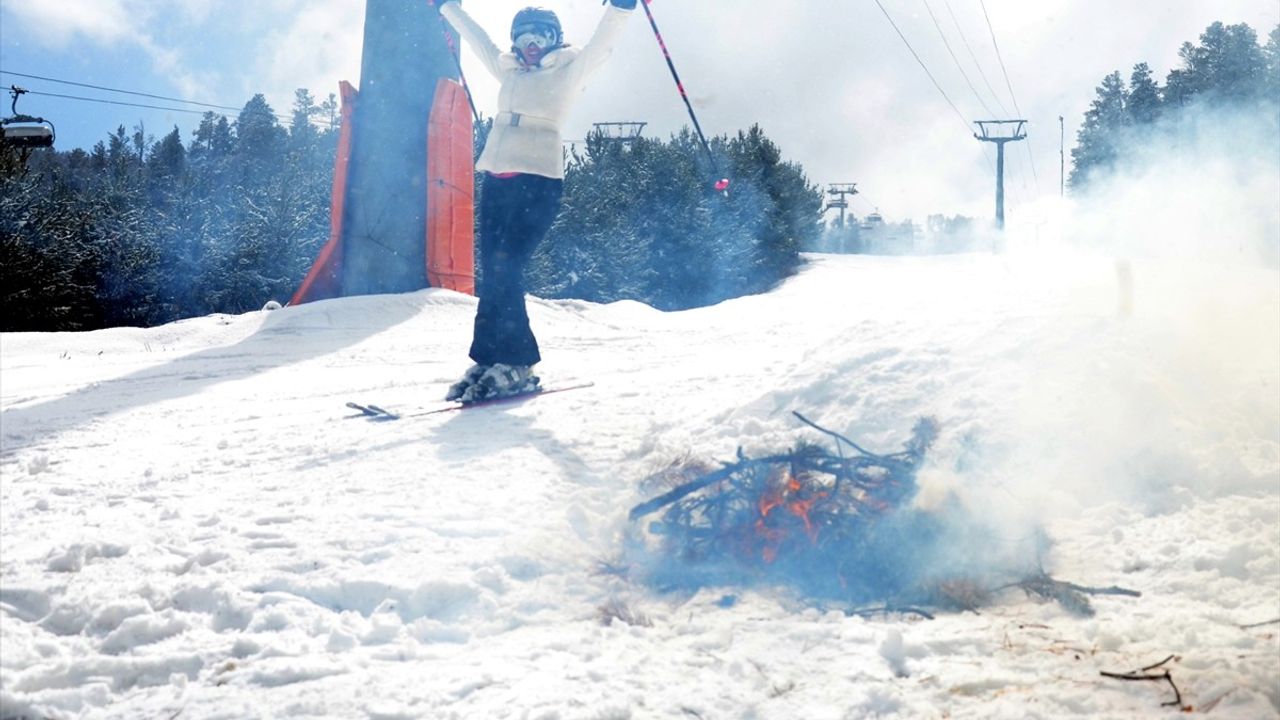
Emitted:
<point x="192" y="522"/>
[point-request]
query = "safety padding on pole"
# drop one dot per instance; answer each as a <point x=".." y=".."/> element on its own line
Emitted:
<point x="324" y="280"/>
<point x="450" y="191"/>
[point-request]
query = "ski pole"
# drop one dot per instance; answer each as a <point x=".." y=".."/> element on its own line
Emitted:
<point x="457" y="60"/>
<point x="722" y="184"/>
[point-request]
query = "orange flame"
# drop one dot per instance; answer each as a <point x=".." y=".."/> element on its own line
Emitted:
<point x="799" y="507"/>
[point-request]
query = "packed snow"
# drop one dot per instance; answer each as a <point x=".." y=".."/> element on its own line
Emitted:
<point x="195" y="526"/>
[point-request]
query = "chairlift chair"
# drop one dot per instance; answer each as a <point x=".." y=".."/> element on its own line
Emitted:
<point x="25" y="132"/>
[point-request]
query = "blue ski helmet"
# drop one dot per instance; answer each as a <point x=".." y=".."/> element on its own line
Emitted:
<point x="538" y="20"/>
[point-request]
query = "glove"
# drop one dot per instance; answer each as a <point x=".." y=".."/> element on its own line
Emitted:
<point x="624" y="4"/>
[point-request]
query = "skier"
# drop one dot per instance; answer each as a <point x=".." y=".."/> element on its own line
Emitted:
<point x="523" y="178"/>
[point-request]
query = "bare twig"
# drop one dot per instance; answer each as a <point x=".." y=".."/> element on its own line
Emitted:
<point x="1162" y="662"/>
<point x="1070" y="595"/>
<point x="1143" y="674"/>
<point x="837" y="436"/>
<point x="886" y="609"/>
<point x="691" y="487"/>
<point x="616" y="609"/>
<point x="1250" y="626"/>
<point x="1042" y="578"/>
<point x="1112" y="590"/>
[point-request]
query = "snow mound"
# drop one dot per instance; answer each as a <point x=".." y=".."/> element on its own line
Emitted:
<point x="194" y="525"/>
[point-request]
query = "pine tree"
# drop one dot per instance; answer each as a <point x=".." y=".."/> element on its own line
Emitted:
<point x="168" y="158"/>
<point x="1097" y="142"/>
<point x="120" y="159"/>
<point x="330" y="112"/>
<point x="302" y="133"/>
<point x="258" y="134"/>
<point x="1271" y="75"/>
<point x="641" y="221"/>
<point x="1228" y="64"/>
<point x="1143" y="101"/>
<point x="213" y="138"/>
<point x="1227" y="68"/>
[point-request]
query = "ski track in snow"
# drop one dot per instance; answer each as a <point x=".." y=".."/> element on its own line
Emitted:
<point x="194" y="526"/>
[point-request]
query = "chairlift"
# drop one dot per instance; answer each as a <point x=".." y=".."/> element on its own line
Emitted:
<point x="24" y="132"/>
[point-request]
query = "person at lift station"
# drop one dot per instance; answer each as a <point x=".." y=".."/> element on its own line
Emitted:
<point x="523" y="179"/>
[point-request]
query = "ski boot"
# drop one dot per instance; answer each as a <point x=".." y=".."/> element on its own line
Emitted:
<point x="469" y="379"/>
<point x="501" y="380"/>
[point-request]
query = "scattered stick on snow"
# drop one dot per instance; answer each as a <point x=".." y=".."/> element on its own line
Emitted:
<point x="1070" y="595"/>
<point x="616" y="609"/>
<point x="889" y="610"/>
<point x="1144" y="674"/>
<point x="1250" y="626"/>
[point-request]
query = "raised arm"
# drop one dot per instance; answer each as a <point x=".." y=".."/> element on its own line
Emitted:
<point x="474" y="35"/>
<point x="600" y="46"/>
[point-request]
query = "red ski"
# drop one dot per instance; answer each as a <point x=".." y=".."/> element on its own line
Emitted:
<point x="373" y="412"/>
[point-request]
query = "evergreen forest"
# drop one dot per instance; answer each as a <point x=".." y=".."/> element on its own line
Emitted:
<point x="139" y="231"/>
<point x="1228" y="70"/>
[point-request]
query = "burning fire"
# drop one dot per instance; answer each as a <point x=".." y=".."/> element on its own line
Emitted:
<point x="806" y="516"/>
<point x="797" y="500"/>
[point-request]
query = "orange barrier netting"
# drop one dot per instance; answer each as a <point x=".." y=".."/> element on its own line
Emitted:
<point x="450" y="191"/>
<point x="324" y="280"/>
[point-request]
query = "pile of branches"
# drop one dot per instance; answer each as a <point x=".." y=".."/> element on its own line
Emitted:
<point x="835" y="526"/>
<point x="832" y="524"/>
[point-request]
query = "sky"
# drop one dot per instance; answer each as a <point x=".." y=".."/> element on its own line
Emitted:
<point x="831" y="83"/>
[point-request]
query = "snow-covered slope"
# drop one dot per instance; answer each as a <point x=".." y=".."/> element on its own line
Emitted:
<point x="194" y="526"/>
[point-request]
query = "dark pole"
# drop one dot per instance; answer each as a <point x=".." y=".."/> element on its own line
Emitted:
<point x="457" y="60"/>
<point x="1000" y="184"/>
<point x="1062" y="157"/>
<point x="1018" y="132"/>
<point x="722" y="184"/>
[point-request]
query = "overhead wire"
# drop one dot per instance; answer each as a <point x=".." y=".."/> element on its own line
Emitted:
<point x="999" y="57"/>
<point x="1008" y="84"/>
<point x="968" y="129"/>
<point x="954" y="59"/>
<point x="282" y="118"/>
<point x="924" y="67"/>
<point x="978" y="96"/>
<point x="114" y="102"/>
<point x="116" y="90"/>
<point x="974" y="57"/>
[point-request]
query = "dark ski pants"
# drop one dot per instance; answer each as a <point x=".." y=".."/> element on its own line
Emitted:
<point x="515" y="214"/>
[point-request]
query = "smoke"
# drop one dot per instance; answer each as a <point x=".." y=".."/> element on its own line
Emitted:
<point x="830" y="526"/>
<point x="1202" y="183"/>
<point x="1159" y="382"/>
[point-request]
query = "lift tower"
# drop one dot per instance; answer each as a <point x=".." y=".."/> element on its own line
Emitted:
<point x="840" y="191"/>
<point x="623" y="132"/>
<point x="1000" y="132"/>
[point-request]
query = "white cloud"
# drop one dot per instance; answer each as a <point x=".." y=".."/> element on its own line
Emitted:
<point x="57" y="24"/>
<point x="314" y="48"/>
<point x="830" y="82"/>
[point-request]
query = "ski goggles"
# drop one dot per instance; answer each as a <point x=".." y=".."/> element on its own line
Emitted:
<point x="540" y="36"/>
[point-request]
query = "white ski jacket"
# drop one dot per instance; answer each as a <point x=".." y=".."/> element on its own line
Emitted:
<point x="534" y="102"/>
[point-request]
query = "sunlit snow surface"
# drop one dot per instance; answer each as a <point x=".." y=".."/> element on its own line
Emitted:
<point x="194" y="526"/>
